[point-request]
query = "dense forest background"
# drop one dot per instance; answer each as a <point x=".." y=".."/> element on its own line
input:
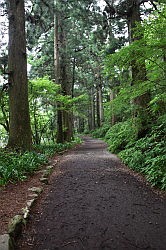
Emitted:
<point x="71" y="67"/>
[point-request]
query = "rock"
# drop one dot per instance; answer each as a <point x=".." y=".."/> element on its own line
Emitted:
<point x="25" y="212"/>
<point x="62" y="152"/>
<point x="34" y="195"/>
<point x="4" y="242"/>
<point x="15" y="226"/>
<point x="49" y="167"/>
<point x="37" y="190"/>
<point x="46" y="173"/>
<point x="44" y="180"/>
<point x="30" y="203"/>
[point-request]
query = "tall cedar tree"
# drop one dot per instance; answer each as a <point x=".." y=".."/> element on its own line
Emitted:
<point x="64" y="118"/>
<point x="138" y="69"/>
<point x="19" y="128"/>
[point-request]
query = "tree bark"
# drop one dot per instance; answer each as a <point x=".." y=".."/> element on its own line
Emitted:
<point x="113" y="117"/>
<point x="60" y="138"/>
<point x="91" y="111"/>
<point x="20" y="136"/>
<point x="101" y="103"/>
<point x="64" y="117"/>
<point x="98" y="107"/>
<point x="81" y="125"/>
<point x="138" y="70"/>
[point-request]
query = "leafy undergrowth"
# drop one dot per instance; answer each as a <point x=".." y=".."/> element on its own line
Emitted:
<point x="146" y="155"/>
<point x="17" y="166"/>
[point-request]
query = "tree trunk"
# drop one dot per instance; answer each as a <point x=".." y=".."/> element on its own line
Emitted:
<point x="60" y="138"/>
<point x="64" y="120"/>
<point x="81" y="125"/>
<point x="68" y="123"/>
<point x="138" y="70"/>
<point x="36" y="128"/>
<point x="91" y="112"/>
<point x="113" y="117"/>
<point x="66" y="91"/>
<point x="19" y="129"/>
<point x="101" y="103"/>
<point x="73" y="79"/>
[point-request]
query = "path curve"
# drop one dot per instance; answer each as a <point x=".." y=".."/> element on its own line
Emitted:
<point x="95" y="204"/>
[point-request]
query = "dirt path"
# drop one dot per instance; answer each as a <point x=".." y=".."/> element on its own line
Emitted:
<point x="94" y="203"/>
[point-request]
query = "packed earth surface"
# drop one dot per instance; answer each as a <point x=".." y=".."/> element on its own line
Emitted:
<point x="95" y="202"/>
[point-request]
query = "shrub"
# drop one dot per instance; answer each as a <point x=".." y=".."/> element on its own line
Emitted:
<point x="17" y="166"/>
<point x="148" y="155"/>
<point x="101" y="132"/>
<point x="119" y="135"/>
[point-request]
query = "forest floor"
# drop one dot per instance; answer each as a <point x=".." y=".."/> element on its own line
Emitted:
<point x="14" y="196"/>
<point x="94" y="202"/>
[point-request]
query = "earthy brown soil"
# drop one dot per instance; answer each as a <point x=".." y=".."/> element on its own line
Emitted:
<point x="14" y="196"/>
<point x="94" y="202"/>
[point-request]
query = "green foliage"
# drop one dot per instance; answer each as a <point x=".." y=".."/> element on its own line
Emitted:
<point x="148" y="155"/>
<point x="17" y="166"/>
<point x="150" y="49"/>
<point x="100" y="132"/>
<point x="119" y="135"/>
<point x="4" y="112"/>
<point x="146" y="152"/>
<point x="158" y="104"/>
<point x="42" y="95"/>
<point x="51" y="149"/>
<point x="43" y="87"/>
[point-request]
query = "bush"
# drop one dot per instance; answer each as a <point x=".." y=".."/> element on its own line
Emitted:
<point x="50" y="149"/>
<point x="17" y="166"/>
<point x="148" y="155"/>
<point x="119" y="135"/>
<point x="101" y="132"/>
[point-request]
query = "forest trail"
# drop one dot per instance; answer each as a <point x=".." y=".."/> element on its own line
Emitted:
<point x="95" y="203"/>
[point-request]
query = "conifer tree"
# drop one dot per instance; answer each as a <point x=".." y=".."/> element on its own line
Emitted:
<point x="19" y="127"/>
